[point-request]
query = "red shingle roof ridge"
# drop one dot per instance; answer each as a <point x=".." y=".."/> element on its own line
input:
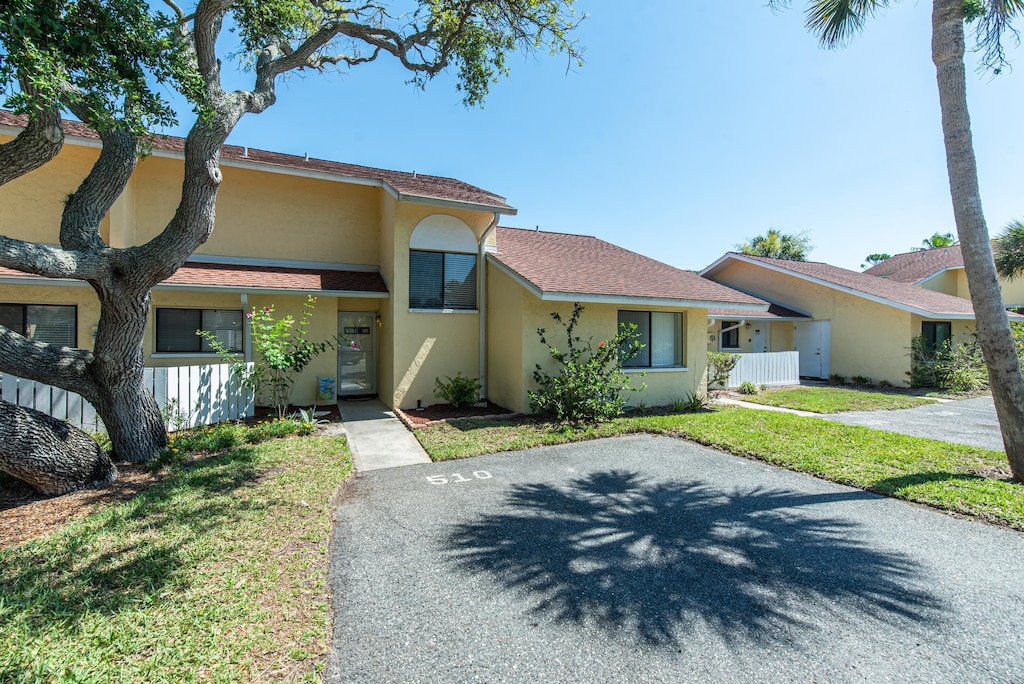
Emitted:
<point x="235" y="152"/>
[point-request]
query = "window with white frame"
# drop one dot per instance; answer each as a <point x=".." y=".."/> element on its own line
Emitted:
<point x="176" y="330"/>
<point x="442" y="280"/>
<point x="661" y="333"/>
<point x="49" y="323"/>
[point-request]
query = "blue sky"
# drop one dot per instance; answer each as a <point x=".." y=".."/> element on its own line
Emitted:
<point x="691" y="127"/>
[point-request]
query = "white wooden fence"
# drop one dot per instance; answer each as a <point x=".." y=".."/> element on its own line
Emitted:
<point x="188" y="396"/>
<point x="771" y="369"/>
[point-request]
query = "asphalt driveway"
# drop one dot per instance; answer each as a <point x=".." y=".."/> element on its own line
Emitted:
<point x="968" y="421"/>
<point x="650" y="559"/>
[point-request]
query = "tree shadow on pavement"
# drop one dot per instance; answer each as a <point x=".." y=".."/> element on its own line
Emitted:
<point x="652" y="560"/>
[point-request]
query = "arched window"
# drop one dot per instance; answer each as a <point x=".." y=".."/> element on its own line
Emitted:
<point x="442" y="264"/>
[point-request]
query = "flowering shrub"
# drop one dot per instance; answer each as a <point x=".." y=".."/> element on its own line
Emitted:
<point x="589" y="382"/>
<point x="282" y="352"/>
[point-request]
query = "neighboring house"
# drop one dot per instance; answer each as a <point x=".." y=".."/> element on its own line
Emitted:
<point x="841" y="321"/>
<point x="941" y="270"/>
<point x="393" y="258"/>
<point x="532" y="274"/>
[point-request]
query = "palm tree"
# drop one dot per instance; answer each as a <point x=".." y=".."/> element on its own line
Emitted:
<point x="778" y="245"/>
<point x="1010" y="251"/>
<point x="835" y="21"/>
<point x="936" y="241"/>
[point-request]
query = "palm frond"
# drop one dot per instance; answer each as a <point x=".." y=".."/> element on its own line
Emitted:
<point x="992" y="28"/>
<point x="1009" y="252"/>
<point x="836" y="21"/>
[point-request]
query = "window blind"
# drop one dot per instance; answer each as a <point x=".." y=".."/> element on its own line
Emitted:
<point x="642" y="321"/>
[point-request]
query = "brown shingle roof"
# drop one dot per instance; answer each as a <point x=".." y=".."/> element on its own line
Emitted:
<point x="276" y="278"/>
<point x="411" y="184"/>
<point x="560" y="263"/>
<point x="241" y="277"/>
<point x="899" y="294"/>
<point x="774" y="312"/>
<point x="913" y="267"/>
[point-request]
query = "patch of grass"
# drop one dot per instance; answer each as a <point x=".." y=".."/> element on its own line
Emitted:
<point x="967" y="480"/>
<point x="836" y="399"/>
<point x="211" y="439"/>
<point x="214" y="573"/>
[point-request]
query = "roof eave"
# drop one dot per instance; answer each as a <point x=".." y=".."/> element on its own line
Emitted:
<point x="303" y="173"/>
<point x="244" y="289"/>
<point x="842" y="288"/>
<point x="585" y="298"/>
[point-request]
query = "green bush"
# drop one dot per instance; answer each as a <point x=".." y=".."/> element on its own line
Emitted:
<point x="861" y="380"/>
<point x="951" y="367"/>
<point x="457" y="391"/>
<point x="836" y="379"/>
<point x="588" y="384"/>
<point x="222" y="436"/>
<point x="748" y="388"/>
<point x="691" y="403"/>
<point x="720" y="364"/>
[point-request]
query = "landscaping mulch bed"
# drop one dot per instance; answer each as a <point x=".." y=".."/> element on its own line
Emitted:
<point x="26" y="515"/>
<point x="437" y="413"/>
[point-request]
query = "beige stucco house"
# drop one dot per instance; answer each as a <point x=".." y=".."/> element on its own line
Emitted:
<point x="412" y="270"/>
<point x="841" y="321"/>
<point x="941" y="270"/>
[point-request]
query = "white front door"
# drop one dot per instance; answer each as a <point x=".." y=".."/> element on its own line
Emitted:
<point x="357" y="357"/>
<point x="813" y="340"/>
<point x="762" y="340"/>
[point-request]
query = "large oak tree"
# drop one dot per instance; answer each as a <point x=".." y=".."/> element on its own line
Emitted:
<point x="100" y="60"/>
<point x="834" y="22"/>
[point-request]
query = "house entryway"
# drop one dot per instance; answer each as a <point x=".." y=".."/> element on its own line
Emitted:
<point x="357" y="353"/>
<point x="813" y="339"/>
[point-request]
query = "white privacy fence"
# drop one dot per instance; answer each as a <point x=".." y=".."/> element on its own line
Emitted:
<point x="188" y="396"/>
<point x="771" y="369"/>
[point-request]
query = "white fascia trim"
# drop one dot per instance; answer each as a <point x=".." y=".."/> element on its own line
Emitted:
<point x="40" y="280"/>
<point x="767" y="319"/>
<point x="289" y="171"/>
<point x="232" y="289"/>
<point x="455" y="204"/>
<point x="848" y="290"/>
<point x="924" y="280"/>
<point x="617" y="299"/>
<point x="281" y="263"/>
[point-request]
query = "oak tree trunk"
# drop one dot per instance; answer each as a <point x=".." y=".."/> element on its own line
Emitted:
<point x="994" y="335"/>
<point x="49" y="454"/>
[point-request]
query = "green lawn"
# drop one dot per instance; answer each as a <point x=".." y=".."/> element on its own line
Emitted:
<point x="216" y="573"/>
<point x="835" y="399"/>
<point x="967" y="480"/>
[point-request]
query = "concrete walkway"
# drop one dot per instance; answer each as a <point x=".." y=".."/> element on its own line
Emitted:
<point x="377" y="438"/>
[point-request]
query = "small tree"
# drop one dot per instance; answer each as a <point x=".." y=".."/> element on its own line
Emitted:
<point x="589" y="383"/>
<point x="282" y="352"/>
<point x="720" y="365"/>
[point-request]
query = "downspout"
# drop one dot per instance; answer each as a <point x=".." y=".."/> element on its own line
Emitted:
<point x="482" y="305"/>
<point x="246" y="329"/>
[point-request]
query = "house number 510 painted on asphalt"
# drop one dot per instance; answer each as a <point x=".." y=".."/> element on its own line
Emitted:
<point x="456" y="478"/>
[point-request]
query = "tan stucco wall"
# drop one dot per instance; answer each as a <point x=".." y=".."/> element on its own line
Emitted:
<point x="945" y="282"/>
<point x="427" y="345"/>
<point x="84" y="298"/>
<point x="268" y="215"/>
<point x="600" y="322"/>
<point x="781" y="336"/>
<point x="33" y="204"/>
<point x="867" y="338"/>
<point x="506" y="337"/>
<point x="1013" y="292"/>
